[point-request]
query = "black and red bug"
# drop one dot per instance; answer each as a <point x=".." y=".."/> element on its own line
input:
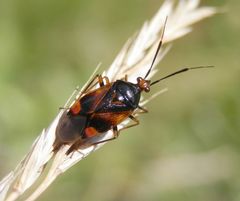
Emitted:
<point x="99" y="110"/>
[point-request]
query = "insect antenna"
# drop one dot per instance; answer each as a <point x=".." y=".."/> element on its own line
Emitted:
<point x="180" y="71"/>
<point x="158" y="48"/>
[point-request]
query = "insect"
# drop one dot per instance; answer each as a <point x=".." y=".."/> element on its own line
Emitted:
<point x="99" y="110"/>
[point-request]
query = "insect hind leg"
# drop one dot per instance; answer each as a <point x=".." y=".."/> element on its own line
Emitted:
<point x="135" y="123"/>
<point x="115" y="136"/>
<point x="142" y="110"/>
<point x="74" y="147"/>
<point x="80" y="143"/>
<point x="116" y="131"/>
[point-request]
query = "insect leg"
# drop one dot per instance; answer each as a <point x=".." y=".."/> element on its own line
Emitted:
<point x="74" y="147"/>
<point x="91" y="84"/>
<point x="106" y="79"/>
<point x="79" y="143"/>
<point x="135" y="123"/>
<point x="143" y="110"/>
<point x="115" y="136"/>
<point x="125" y="78"/>
<point x="99" y="81"/>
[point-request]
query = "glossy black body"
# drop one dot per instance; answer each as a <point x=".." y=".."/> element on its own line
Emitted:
<point x="121" y="96"/>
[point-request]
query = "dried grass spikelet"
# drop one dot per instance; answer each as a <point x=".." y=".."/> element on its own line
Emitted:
<point x="134" y="60"/>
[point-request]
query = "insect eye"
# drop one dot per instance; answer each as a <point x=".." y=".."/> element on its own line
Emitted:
<point x="147" y="89"/>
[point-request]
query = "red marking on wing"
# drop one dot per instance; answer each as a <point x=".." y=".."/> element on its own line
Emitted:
<point x="76" y="108"/>
<point x="90" y="132"/>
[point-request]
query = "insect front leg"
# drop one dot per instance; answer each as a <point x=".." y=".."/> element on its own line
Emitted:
<point x="126" y="78"/>
<point x="100" y="80"/>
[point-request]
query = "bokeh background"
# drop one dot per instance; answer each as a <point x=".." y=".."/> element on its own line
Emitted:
<point x="187" y="147"/>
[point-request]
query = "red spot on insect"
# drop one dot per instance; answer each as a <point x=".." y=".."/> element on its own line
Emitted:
<point x="90" y="132"/>
<point x="76" y="108"/>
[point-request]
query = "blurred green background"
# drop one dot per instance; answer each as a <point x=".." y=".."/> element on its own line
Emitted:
<point x="186" y="148"/>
